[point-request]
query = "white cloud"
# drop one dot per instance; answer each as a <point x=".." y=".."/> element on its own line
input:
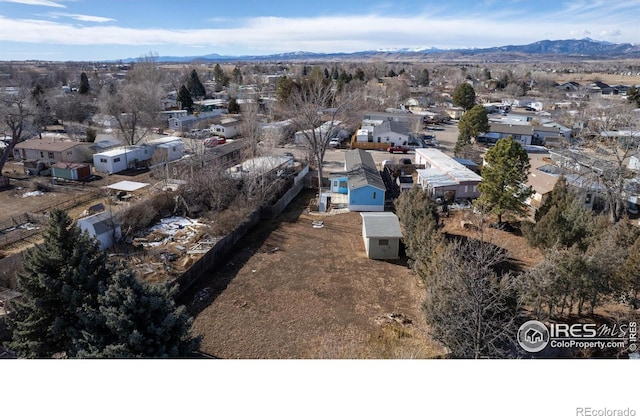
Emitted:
<point x="580" y="33"/>
<point x="84" y="17"/>
<point x="610" y="33"/>
<point x="36" y="3"/>
<point x="320" y="34"/>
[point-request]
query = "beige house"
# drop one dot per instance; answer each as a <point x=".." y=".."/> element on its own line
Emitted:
<point x="53" y="151"/>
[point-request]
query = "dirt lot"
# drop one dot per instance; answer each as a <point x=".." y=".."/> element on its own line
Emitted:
<point x="294" y="291"/>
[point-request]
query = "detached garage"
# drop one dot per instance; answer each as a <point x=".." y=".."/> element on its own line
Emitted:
<point x="381" y="234"/>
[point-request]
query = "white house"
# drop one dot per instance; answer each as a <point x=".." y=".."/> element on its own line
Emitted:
<point x="169" y="148"/>
<point x="634" y="162"/>
<point x="103" y="227"/>
<point x="227" y="128"/>
<point x="121" y="158"/>
<point x="328" y="129"/>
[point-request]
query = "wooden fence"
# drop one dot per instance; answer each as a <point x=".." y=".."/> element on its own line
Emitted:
<point x="221" y="249"/>
<point x="27" y="225"/>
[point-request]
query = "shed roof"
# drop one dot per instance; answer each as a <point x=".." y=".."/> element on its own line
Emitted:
<point x="128" y="186"/>
<point x="380" y="225"/>
<point x="101" y="222"/>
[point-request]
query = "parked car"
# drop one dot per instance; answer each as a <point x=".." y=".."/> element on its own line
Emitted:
<point x="394" y="149"/>
<point x="214" y="141"/>
<point x="335" y="142"/>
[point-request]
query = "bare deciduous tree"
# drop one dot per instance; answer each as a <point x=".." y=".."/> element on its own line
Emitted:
<point x="316" y="109"/>
<point x="136" y="104"/>
<point x="16" y="116"/>
<point x="471" y="306"/>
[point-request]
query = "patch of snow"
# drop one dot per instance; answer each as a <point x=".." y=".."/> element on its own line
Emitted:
<point x="32" y="193"/>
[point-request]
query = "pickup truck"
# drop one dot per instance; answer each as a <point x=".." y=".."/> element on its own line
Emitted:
<point x="393" y="149"/>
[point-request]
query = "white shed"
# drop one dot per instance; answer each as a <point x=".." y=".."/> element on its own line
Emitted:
<point x="103" y="227"/>
<point x="381" y="234"/>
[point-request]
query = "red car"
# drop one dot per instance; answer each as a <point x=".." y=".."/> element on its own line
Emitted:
<point x="214" y="141"/>
<point x="393" y="149"/>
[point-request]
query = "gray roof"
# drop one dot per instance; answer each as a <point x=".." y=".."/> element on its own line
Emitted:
<point x="380" y="225"/>
<point x="511" y="129"/>
<point x="362" y="170"/>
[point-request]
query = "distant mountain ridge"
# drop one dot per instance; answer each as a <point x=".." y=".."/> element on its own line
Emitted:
<point x="569" y="48"/>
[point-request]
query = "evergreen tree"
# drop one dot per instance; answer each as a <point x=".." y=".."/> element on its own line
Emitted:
<point x="633" y="96"/>
<point x="392" y="73"/>
<point x="359" y="75"/>
<point x="423" y="78"/>
<point x="233" y="107"/>
<point x="221" y="79"/>
<point x="194" y="86"/>
<point x="504" y="177"/>
<point x="84" y="84"/>
<point x="473" y="123"/>
<point x="184" y="99"/>
<point x="326" y="73"/>
<point x="562" y="221"/>
<point x="61" y="282"/>
<point x="464" y="96"/>
<point x="284" y="88"/>
<point x="236" y="75"/>
<point x="420" y="222"/>
<point x="137" y="319"/>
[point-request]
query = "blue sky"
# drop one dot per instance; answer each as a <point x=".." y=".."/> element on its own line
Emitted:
<point x="113" y="29"/>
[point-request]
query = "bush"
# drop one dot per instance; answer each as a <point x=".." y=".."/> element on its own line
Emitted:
<point x="41" y="185"/>
<point x="144" y="213"/>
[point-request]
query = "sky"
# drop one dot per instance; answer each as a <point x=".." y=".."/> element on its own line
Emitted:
<point x="96" y="30"/>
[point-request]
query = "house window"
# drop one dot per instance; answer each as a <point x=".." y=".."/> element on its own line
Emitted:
<point x="116" y="160"/>
<point x="383" y="242"/>
<point x="69" y="152"/>
<point x="103" y="160"/>
<point x="588" y="199"/>
<point x="343" y="184"/>
<point x="42" y="155"/>
<point x="374" y="195"/>
<point x="51" y="156"/>
<point x="335" y="184"/>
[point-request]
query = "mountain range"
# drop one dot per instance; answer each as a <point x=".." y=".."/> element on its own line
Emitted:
<point x="549" y="49"/>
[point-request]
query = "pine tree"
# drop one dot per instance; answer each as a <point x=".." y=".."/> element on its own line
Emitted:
<point x="504" y="177"/>
<point x="473" y="123"/>
<point x="464" y="96"/>
<point x="75" y="304"/>
<point x="137" y="319"/>
<point x="237" y="75"/>
<point x="194" y="86"/>
<point x="185" y="100"/>
<point x="84" y="84"/>
<point x="233" y="107"/>
<point x="60" y="284"/>
<point x="423" y="78"/>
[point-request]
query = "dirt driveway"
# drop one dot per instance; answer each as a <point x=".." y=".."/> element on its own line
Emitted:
<point x="294" y="291"/>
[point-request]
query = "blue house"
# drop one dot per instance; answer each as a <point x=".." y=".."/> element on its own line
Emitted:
<point x="361" y="182"/>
